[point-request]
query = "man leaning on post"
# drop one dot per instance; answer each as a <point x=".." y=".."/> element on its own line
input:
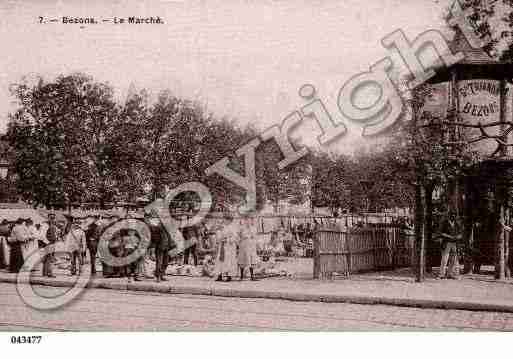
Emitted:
<point x="450" y="233"/>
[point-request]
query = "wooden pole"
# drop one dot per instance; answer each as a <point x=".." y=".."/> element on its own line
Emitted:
<point x="3" y="262"/>
<point x="507" y="271"/>
<point x="420" y="231"/>
<point x="428" y="228"/>
<point x="500" y="263"/>
<point x="468" y="230"/>
<point x="502" y="112"/>
<point x="501" y="191"/>
<point x="454" y="104"/>
<point x="316" y="255"/>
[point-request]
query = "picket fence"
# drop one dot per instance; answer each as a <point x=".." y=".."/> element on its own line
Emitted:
<point x="349" y="251"/>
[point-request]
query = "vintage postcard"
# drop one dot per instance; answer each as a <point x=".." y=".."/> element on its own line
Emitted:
<point x="319" y="166"/>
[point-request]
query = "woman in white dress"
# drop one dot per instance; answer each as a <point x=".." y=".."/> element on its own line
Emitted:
<point x="226" y="258"/>
<point x="247" y="246"/>
<point x="31" y="245"/>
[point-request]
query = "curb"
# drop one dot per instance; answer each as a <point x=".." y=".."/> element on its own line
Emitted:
<point x="296" y="297"/>
<point x="147" y="287"/>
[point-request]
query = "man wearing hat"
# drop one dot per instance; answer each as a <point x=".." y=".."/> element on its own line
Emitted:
<point x="450" y="234"/>
<point x="76" y="243"/>
<point x="191" y="237"/>
<point x="162" y="243"/>
<point x="93" y="234"/>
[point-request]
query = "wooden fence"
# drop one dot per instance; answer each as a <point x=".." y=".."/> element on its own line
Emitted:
<point x="359" y="250"/>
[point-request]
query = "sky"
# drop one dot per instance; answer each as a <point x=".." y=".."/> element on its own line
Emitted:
<point x="242" y="59"/>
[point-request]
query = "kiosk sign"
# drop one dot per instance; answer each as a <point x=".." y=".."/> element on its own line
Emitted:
<point x="480" y="103"/>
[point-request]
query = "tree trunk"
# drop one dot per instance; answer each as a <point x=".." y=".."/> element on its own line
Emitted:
<point x="507" y="269"/>
<point x="500" y="261"/>
<point x="468" y="230"/>
<point x="420" y="196"/>
<point x="428" y="227"/>
<point x="502" y="192"/>
<point x="507" y="249"/>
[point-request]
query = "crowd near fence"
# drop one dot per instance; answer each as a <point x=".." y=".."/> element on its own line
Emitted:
<point x="343" y="244"/>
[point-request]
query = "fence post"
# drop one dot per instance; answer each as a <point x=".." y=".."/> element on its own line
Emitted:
<point x="316" y="255"/>
<point x="3" y="261"/>
<point x="349" y="257"/>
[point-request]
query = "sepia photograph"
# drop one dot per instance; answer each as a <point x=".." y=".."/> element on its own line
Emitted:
<point x="255" y="166"/>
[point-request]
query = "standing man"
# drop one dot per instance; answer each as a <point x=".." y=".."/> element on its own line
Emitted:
<point x="52" y="234"/>
<point x="76" y="243"/>
<point x="191" y="238"/>
<point x="162" y="243"/>
<point x="450" y="233"/>
<point x="93" y="234"/>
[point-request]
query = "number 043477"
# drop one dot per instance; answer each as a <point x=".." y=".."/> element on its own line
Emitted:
<point x="21" y="339"/>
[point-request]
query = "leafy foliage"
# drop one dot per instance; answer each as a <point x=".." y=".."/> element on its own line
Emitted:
<point x="74" y="143"/>
<point x="492" y="19"/>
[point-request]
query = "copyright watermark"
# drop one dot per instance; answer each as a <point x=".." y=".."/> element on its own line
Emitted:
<point x="35" y="300"/>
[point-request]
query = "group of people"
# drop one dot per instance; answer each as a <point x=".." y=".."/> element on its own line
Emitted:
<point x="23" y="241"/>
<point x="236" y="249"/>
<point x="25" y="238"/>
<point x="123" y="244"/>
<point x="231" y="246"/>
<point x="449" y="234"/>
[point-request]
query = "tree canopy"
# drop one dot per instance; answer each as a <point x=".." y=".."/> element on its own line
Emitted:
<point x="74" y="143"/>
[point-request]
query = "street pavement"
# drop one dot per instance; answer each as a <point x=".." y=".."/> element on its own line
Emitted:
<point x="472" y="292"/>
<point x="113" y="310"/>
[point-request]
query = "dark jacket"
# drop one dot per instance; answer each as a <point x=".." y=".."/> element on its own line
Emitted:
<point x="93" y="234"/>
<point x="451" y="229"/>
<point x="51" y="233"/>
<point x="190" y="233"/>
<point x="160" y="239"/>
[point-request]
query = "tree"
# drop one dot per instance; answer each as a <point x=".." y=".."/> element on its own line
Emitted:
<point x="485" y="15"/>
<point x="429" y="152"/>
<point x="128" y="170"/>
<point x="333" y="181"/>
<point x="222" y="139"/>
<point x="380" y="181"/>
<point x="274" y="184"/>
<point x="7" y="185"/>
<point x="61" y="132"/>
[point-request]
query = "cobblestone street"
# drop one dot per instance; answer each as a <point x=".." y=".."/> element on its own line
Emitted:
<point x="104" y="310"/>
